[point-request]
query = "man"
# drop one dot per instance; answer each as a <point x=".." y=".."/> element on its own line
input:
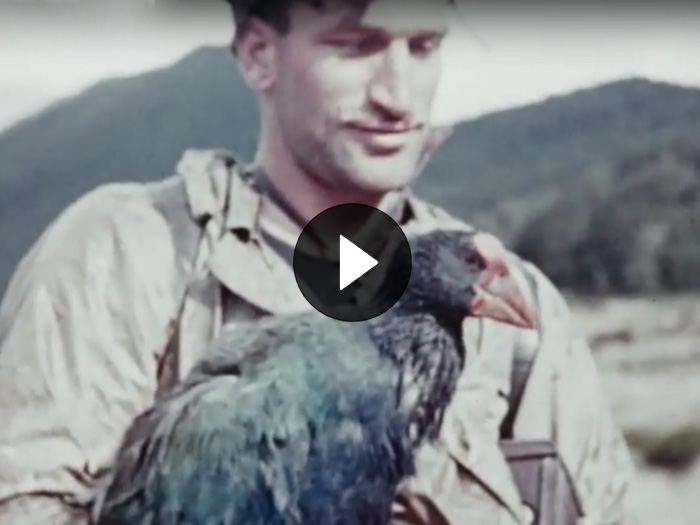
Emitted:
<point x="345" y="91"/>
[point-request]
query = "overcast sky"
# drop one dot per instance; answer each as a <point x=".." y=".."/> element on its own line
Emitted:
<point x="506" y="57"/>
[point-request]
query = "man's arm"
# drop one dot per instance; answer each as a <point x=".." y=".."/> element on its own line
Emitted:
<point x="82" y="325"/>
<point x="565" y="401"/>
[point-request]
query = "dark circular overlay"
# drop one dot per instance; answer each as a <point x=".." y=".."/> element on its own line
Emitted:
<point x="317" y="262"/>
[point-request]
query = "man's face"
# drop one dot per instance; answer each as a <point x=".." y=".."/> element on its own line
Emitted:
<point x="354" y="89"/>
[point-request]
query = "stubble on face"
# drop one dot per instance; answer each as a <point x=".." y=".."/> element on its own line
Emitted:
<point x="355" y="90"/>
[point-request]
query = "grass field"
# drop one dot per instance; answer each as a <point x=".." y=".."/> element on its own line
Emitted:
<point x="648" y="352"/>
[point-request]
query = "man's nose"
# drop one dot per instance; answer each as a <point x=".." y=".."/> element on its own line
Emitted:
<point x="390" y="89"/>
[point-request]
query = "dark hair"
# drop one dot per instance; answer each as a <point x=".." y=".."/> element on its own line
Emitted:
<point x="273" y="12"/>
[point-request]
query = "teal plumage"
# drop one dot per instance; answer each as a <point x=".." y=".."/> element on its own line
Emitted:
<point x="304" y="420"/>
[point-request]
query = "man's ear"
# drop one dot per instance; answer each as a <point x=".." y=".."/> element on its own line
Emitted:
<point x="254" y="49"/>
<point x="437" y="136"/>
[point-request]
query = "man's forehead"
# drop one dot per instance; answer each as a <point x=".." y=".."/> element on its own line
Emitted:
<point x="391" y="15"/>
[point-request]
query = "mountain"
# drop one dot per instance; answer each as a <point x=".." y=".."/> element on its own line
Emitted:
<point x="503" y="171"/>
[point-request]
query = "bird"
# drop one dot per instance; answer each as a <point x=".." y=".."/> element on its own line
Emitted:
<point x="302" y="419"/>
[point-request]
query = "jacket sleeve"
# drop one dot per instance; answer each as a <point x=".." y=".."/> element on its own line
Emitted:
<point x="566" y="401"/>
<point x="82" y="326"/>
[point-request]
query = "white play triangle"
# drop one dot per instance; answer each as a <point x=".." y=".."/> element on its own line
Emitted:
<point x="354" y="263"/>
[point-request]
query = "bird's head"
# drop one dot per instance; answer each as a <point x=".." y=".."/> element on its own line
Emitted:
<point x="456" y="274"/>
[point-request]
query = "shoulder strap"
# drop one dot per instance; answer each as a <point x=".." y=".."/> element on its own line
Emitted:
<point x="523" y="359"/>
<point x="169" y="196"/>
<point x="187" y="227"/>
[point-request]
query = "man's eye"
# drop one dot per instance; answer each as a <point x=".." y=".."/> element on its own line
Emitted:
<point x="357" y="44"/>
<point x="364" y="45"/>
<point x="425" y="45"/>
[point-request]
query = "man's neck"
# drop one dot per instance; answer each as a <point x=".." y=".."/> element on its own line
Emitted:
<point x="308" y="197"/>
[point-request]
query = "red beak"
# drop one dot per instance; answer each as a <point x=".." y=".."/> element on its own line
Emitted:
<point x="499" y="296"/>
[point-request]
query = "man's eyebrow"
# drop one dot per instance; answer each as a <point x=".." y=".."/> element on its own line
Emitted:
<point x="349" y="23"/>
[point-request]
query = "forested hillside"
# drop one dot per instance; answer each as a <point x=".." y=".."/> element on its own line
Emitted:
<point x="599" y="187"/>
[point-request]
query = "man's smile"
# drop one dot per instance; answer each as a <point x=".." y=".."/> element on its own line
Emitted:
<point x="383" y="139"/>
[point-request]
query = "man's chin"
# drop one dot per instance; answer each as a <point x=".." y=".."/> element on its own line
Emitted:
<point x="381" y="174"/>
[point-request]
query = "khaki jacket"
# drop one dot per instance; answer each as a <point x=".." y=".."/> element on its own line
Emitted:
<point x="91" y="308"/>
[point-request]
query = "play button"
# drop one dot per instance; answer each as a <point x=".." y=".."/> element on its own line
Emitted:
<point x="352" y="262"/>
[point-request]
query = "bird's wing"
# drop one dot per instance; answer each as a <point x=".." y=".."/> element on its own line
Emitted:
<point x="195" y="456"/>
<point x="242" y="346"/>
<point x="248" y="445"/>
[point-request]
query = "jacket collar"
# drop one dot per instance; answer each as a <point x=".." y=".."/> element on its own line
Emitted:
<point x="238" y="257"/>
